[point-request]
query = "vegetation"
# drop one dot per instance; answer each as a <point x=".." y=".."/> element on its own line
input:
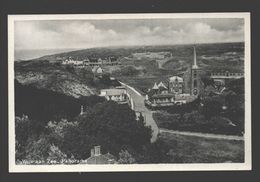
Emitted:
<point x="221" y="114"/>
<point x="190" y="149"/>
<point x="125" y="158"/>
<point x="49" y="128"/>
<point x="44" y="135"/>
<point x="45" y="105"/>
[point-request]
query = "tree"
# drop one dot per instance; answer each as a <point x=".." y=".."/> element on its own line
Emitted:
<point x="55" y="154"/>
<point x="70" y="68"/>
<point x="237" y="85"/>
<point x="90" y="101"/>
<point x="114" y="126"/>
<point x="153" y="153"/>
<point x="106" y="79"/>
<point x="37" y="150"/>
<point x="207" y="81"/>
<point x="129" y="71"/>
<point x="77" y="143"/>
<point x="44" y="105"/>
<point x="56" y="130"/>
<point x="125" y="157"/>
<point x="86" y="76"/>
<point x="212" y="106"/>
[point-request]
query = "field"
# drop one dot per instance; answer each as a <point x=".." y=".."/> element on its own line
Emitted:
<point x="189" y="149"/>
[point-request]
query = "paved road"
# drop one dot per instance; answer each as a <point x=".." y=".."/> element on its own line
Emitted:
<point x="138" y="101"/>
<point x="205" y="135"/>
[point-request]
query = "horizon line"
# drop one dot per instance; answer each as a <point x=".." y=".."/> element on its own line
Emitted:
<point x="116" y="46"/>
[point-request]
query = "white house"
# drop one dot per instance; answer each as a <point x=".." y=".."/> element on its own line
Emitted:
<point x="117" y="95"/>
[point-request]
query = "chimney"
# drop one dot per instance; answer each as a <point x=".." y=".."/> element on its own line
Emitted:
<point x="92" y="152"/>
<point x="97" y="150"/>
<point x="81" y="110"/>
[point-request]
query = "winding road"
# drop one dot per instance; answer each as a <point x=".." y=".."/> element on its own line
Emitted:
<point x="138" y="101"/>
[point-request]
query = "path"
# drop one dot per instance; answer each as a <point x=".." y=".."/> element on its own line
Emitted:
<point x="138" y="100"/>
<point x="205" y="135"/>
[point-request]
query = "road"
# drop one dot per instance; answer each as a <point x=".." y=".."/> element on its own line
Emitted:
<point x="204" y="135"/>
<point x="139" y="106"/>
<point x="138" y="101"/>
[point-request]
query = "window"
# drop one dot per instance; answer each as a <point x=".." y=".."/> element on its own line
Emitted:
<point x="195" y="83"/>
<point x="194" y="73"/>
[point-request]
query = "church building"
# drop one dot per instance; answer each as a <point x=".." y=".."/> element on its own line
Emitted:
<point x="195" y="76"/>
<point x="174" y="93"/>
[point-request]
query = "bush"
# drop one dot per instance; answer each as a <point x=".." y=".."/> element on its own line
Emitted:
<point x="114" y="126"/>
<point x="129" y="71"/>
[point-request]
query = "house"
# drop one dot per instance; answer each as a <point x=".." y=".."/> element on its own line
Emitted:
<point x="176" y="84"/>
<point x="93" y="61"/>
<point x="97" y="70"/>
<point x="96" y="157"/>
<point x="118" y="95"/>
<point x="159" y="96"/>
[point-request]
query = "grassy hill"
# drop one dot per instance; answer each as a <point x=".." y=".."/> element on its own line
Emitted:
<point x="46" y="71"/>
<point x="45" y="75"/>
<point x="190" y="149"/>
<point x="211" y="56"/>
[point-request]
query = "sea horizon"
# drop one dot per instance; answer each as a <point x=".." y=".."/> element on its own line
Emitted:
<point x="28" y="54"/>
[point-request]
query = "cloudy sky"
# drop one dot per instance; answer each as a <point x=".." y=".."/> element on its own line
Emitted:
<point x="71" y="34"/>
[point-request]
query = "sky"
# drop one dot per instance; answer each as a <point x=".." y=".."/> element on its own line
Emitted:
<point x="80" y="34"/>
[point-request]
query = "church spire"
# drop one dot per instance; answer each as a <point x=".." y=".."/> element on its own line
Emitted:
<point x="194" y="66"/>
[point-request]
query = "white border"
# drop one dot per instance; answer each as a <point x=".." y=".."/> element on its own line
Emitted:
<point x="247" y="165"/>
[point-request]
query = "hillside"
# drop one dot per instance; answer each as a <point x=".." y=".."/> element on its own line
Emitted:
<point x="45" y="75"/>
<point x="218" y="56"/>
<point x="46" y="71"/>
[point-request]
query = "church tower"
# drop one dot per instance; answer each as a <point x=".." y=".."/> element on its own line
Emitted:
<point x="195" y="77"/>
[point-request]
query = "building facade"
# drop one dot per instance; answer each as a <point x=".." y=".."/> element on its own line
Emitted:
<point x="220" y="78"/>
<point x="175" y="93"/>
<point x="118" y="95"/>
<point x="176" y="84"/>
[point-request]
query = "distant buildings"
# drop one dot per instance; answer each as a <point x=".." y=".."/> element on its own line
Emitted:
<point x="151" y="55"/>
<point x="172" y="92"/>
<point x="91" y="62"/>
<point x="97" y="70"/>
<point x="220" y="78"/>
<point x="75" y="62"/>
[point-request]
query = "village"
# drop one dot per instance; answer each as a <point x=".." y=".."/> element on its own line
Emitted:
<point x="177" y="98"/>
<point x="176" y="90"/>
<point x="109" y="91"/>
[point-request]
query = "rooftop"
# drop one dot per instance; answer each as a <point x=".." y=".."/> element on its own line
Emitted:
<point x="168" y="95"/>
<point x="112" y="91"/>
<point x="176" y="78"/>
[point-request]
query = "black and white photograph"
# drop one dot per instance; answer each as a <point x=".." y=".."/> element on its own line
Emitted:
<point x="129" y="92"/>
